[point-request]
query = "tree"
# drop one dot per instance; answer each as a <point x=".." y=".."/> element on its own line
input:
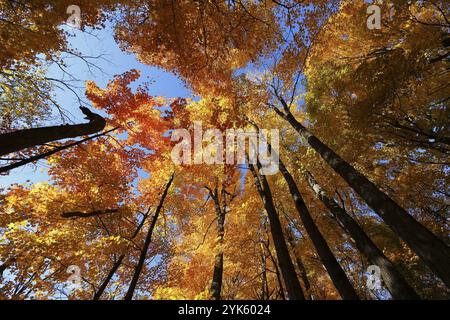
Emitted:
<point x="337" y="275"/>
<point x="430" y="248"/>
<point x="21" y="139"/>
<point x="362" y="120"/>
<point x="221" y="37"/>
<point x="30" y="29"/>
<point x="221" y="205"/>
<point x="287" y="268"/>
<point x="148" y="239"/>
<point x="394" y="281"/>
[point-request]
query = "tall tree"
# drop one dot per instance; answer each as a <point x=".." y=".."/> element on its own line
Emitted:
<point x="118" y="262"/>
<point x="337" y="275"/>
<point x="396" y="284"/>
<point x="221" y="205"/>
<point x="429" y="247"/>
<point x="148" y="240"/>
<point x="290" y="278"/>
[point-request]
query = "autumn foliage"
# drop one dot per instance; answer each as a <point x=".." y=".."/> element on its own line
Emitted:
<point x="364" y="171"/>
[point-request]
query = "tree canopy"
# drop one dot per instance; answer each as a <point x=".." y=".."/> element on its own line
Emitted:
<point x="362" y="179"/>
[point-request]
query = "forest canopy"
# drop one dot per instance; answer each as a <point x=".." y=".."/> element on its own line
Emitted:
<point x="308" y="161"/>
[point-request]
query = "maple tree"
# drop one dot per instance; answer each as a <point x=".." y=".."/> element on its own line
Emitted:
<point x="363" y="164"/>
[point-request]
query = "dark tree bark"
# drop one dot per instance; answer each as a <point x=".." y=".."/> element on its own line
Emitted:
<point x="18" y="140"/>
<point x="221" y="204"/>
<point x="291" y="281"/>
<point x="280" y="281"/>
<point x="51" y="152"/>
<point x="432" y="250"/>
<point x="277" y="270"/>
<point x="337" y="274"/>
<point x="304" y="275"/>
<point x="108" y="278"/>
<point x="394" y="281"/>
<point x="118" y="262"/>
<point x="300" y="266"/>
<point x="216" y="284"/>
<point x="264" y="283"/>
<point x="148" y="240"/>
<point x="79" y="214"/>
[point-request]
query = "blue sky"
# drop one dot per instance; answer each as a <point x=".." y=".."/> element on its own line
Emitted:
<point x="100" y="42"/>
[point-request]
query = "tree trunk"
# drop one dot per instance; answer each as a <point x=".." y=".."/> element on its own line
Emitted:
<point x="79" y="214"/>
<point x="108" y="278"/>
<point x="18" y="140"/>
<point x="221" y="207"/>
<point x="216" y="284"/>
<point x="432" y="250"/>
<point x="291" y="281"/>
<point x="117" y="264"/>
<point x="304" y="275"/>
<point x="337" y="275"/>
<point x="277" y="271"/>
<point x="394" y="281"/>
<point x="51" y="152"/>
<point x="300" y="266"/>
<point x="264" y="283"/>
<point x="148" y="240"/>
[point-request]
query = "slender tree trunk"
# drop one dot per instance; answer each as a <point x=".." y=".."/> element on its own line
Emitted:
<point x="300" y="266"/>
<point x="79" y="214"/>
<point x="280" y="282"/>
<point x="287" y="268"/>
<point x="337" y="275"/>
<point x="15" y="141"/>
<point x="216" y="284"/>
<point x="394" y="281"/>
<point x="108" y="278"/>
<point x="277" y="271"/>
<point x="119" y="261"/>
<point x="221" y="207"/>
<point x="51" y="152"/>
<point x="304" y="275"/>
<point x="264" y="283"/>
<point x="432" y="250"/>
<point x="148" y="240"/>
